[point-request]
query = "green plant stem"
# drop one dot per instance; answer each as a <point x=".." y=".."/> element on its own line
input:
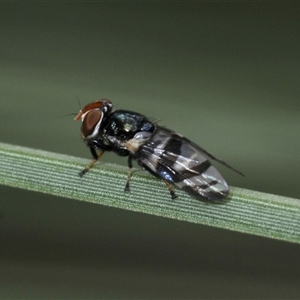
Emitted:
<point x="245" y="211"/>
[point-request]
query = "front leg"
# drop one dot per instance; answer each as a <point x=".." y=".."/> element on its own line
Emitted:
<point x="91" y="164"/>
<point x="129" y="174"/>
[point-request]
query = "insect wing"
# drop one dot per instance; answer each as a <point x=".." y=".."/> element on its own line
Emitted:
<point x="181" y="162"/>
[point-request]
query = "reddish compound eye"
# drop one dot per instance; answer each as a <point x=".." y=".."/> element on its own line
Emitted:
<point x="91" y="119"/>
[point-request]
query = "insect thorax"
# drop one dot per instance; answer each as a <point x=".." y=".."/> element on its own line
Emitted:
<point x="120" y="127"/>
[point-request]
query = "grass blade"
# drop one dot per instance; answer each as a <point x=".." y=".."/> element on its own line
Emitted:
<point x="246" y="211"/>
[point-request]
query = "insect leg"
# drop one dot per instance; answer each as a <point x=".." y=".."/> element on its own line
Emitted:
<point x="129" y="174"/>
<point x="91" y="164"/>
<point x="170" y="188"/>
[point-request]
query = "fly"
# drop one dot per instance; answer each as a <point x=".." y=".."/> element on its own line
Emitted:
<point x="164" y="153"/>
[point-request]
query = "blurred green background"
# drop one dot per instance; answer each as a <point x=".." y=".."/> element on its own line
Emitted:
<point x="226" y="75"/>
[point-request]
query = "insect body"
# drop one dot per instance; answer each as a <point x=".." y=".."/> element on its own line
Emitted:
<point x="159" y="150"/>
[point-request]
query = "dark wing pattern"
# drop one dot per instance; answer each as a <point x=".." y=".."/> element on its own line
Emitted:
<point x="179" y="161"/>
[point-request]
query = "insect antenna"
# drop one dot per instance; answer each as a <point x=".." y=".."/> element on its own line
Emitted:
<point x="70" y="114"/>
<point x="78" y="100"/>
